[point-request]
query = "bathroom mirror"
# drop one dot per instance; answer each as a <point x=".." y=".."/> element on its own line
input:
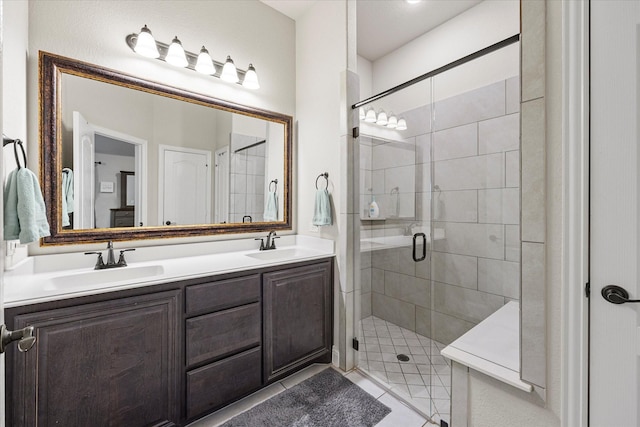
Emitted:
<point x="190" y="164"/>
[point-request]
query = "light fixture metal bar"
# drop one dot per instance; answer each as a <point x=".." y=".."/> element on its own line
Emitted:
<point x="192" y="58"/>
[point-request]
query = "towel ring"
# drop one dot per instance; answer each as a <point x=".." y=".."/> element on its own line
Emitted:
<point x="275" y="182"/>
<point x="15" y="142"/>
<point x="326" y="176"/>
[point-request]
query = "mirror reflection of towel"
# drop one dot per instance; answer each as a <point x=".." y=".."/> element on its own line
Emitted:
<point x="24" y="213"/>
<point x="67" y="195"/>
<point x="322" y="211"/>
<point x="271" y="209"/>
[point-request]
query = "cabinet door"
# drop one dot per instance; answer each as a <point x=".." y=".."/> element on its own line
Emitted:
<point x="111" y="363"/>
<point x="297" y="318"/>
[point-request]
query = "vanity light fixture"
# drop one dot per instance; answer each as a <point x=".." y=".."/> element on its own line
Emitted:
<point x="251" y="78"/>
<point x="402" y="124"/>
<point x="362" y="113"/>
<point x="144" y="44"/>
<point x="229" y="72"/>
<point x="204" y="64"/>
<point x="175" y="55"/>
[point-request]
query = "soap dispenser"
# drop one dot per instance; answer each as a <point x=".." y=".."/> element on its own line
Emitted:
<point x="374" y="211"/>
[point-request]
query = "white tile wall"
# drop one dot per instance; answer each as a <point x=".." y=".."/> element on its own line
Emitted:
<point x="471" y="187"/>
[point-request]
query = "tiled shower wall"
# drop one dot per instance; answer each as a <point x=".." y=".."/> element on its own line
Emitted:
<point x="475" y="268"/>
<point x="247" y="180"/>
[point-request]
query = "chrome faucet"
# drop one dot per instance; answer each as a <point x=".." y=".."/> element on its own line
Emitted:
<point x="111" y="259"/>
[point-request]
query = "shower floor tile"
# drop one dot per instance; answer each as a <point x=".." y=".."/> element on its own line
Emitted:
<point x="424" y="380"/>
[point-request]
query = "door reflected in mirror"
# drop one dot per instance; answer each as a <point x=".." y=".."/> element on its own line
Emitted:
<point x="147" y="160"/>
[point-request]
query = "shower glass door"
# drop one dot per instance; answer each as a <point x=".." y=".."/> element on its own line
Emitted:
<point x="395" y="243"/>
<point x="443" y="253"/>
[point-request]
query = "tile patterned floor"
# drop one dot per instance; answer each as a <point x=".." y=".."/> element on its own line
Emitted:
<point x="401" y="415"/>
<point x="425" y="380"/>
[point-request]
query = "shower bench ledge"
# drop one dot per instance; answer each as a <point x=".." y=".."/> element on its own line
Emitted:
<point x="493" y="347"/>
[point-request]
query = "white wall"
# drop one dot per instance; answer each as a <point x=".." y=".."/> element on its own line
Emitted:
<point x="485" y="24"/>
<point x="15" y="28"/>
<point x="321" y="60"/>
<point x="95" y="32"/>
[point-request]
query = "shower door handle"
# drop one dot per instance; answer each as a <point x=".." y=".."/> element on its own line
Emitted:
<point x="424" y="246"/>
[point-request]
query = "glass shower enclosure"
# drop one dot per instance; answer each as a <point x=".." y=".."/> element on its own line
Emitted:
<point x="441" y="252"/>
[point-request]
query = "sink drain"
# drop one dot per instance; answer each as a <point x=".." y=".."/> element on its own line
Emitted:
<point x="403" y="358"/>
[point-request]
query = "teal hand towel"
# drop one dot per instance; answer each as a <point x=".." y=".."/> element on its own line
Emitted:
<point x="24" y="212"/>
<point x="322" y="211"/>
<point x="271" y="209"/>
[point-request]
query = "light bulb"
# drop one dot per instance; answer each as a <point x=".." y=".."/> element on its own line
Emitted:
<point x="363" y="114"/>
<point x="146" y="44"/>
<point x="382" y="118"/>
<point x="251" y="78"/>
<point x="402" y="124"/>
<point x="393" y="121"/>
<point x="175" y="55"/>
<point x="370" y="117"/>
<point x="204" y="64"/>
<point x="229" y="72"/>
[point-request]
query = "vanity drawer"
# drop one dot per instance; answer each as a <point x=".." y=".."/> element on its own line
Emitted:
<point x="217" y="384"/>
<point x="216" y="335"/>
<point x="222" y="294"/>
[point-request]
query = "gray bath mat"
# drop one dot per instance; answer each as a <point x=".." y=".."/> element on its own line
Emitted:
<point x="325" y="400"/>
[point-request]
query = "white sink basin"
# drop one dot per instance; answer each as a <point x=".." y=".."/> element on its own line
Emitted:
<point x="279" y="254"/>
<point x="92" y="279"/>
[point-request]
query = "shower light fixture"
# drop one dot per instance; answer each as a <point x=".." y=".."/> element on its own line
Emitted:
<point x="144" y="44"/>
<point x="390" y="120"/>
<point x="370" y="117"/>
<point x="392" y="123"/>
<point x="382" y="118"/>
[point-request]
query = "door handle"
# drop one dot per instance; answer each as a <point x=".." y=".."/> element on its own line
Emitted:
<point x="424" y="246"/>
<point x="616" y="295"/>
<point x="24" y="337"/>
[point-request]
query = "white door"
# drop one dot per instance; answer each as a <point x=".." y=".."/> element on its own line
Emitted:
<point x="221" y="193"/>
<point x="186" y="186"/>
<point x="84" y="172"/>
<point x="615" y="212"/>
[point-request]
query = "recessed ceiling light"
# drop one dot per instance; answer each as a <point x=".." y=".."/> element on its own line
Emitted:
<point x="413" y="1"/>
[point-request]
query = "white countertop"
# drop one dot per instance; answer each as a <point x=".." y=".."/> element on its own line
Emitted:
<point x="493" y="347"/>
<point x="53" y="277"/>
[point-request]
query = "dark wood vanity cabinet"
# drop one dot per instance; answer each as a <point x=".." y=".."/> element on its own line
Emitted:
<point x="222" y="342"/>
<point x="297" y="318"/>
<point x="168" y="354"/>
<point x="111" y="363"/>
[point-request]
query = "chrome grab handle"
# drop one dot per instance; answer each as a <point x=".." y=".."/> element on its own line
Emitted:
<point x="424" y="246"/>
<point x="24" y="336"/>
<point x="616" y="295"/>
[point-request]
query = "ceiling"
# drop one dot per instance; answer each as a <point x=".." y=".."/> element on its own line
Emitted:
<point x="385" y="25"/>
